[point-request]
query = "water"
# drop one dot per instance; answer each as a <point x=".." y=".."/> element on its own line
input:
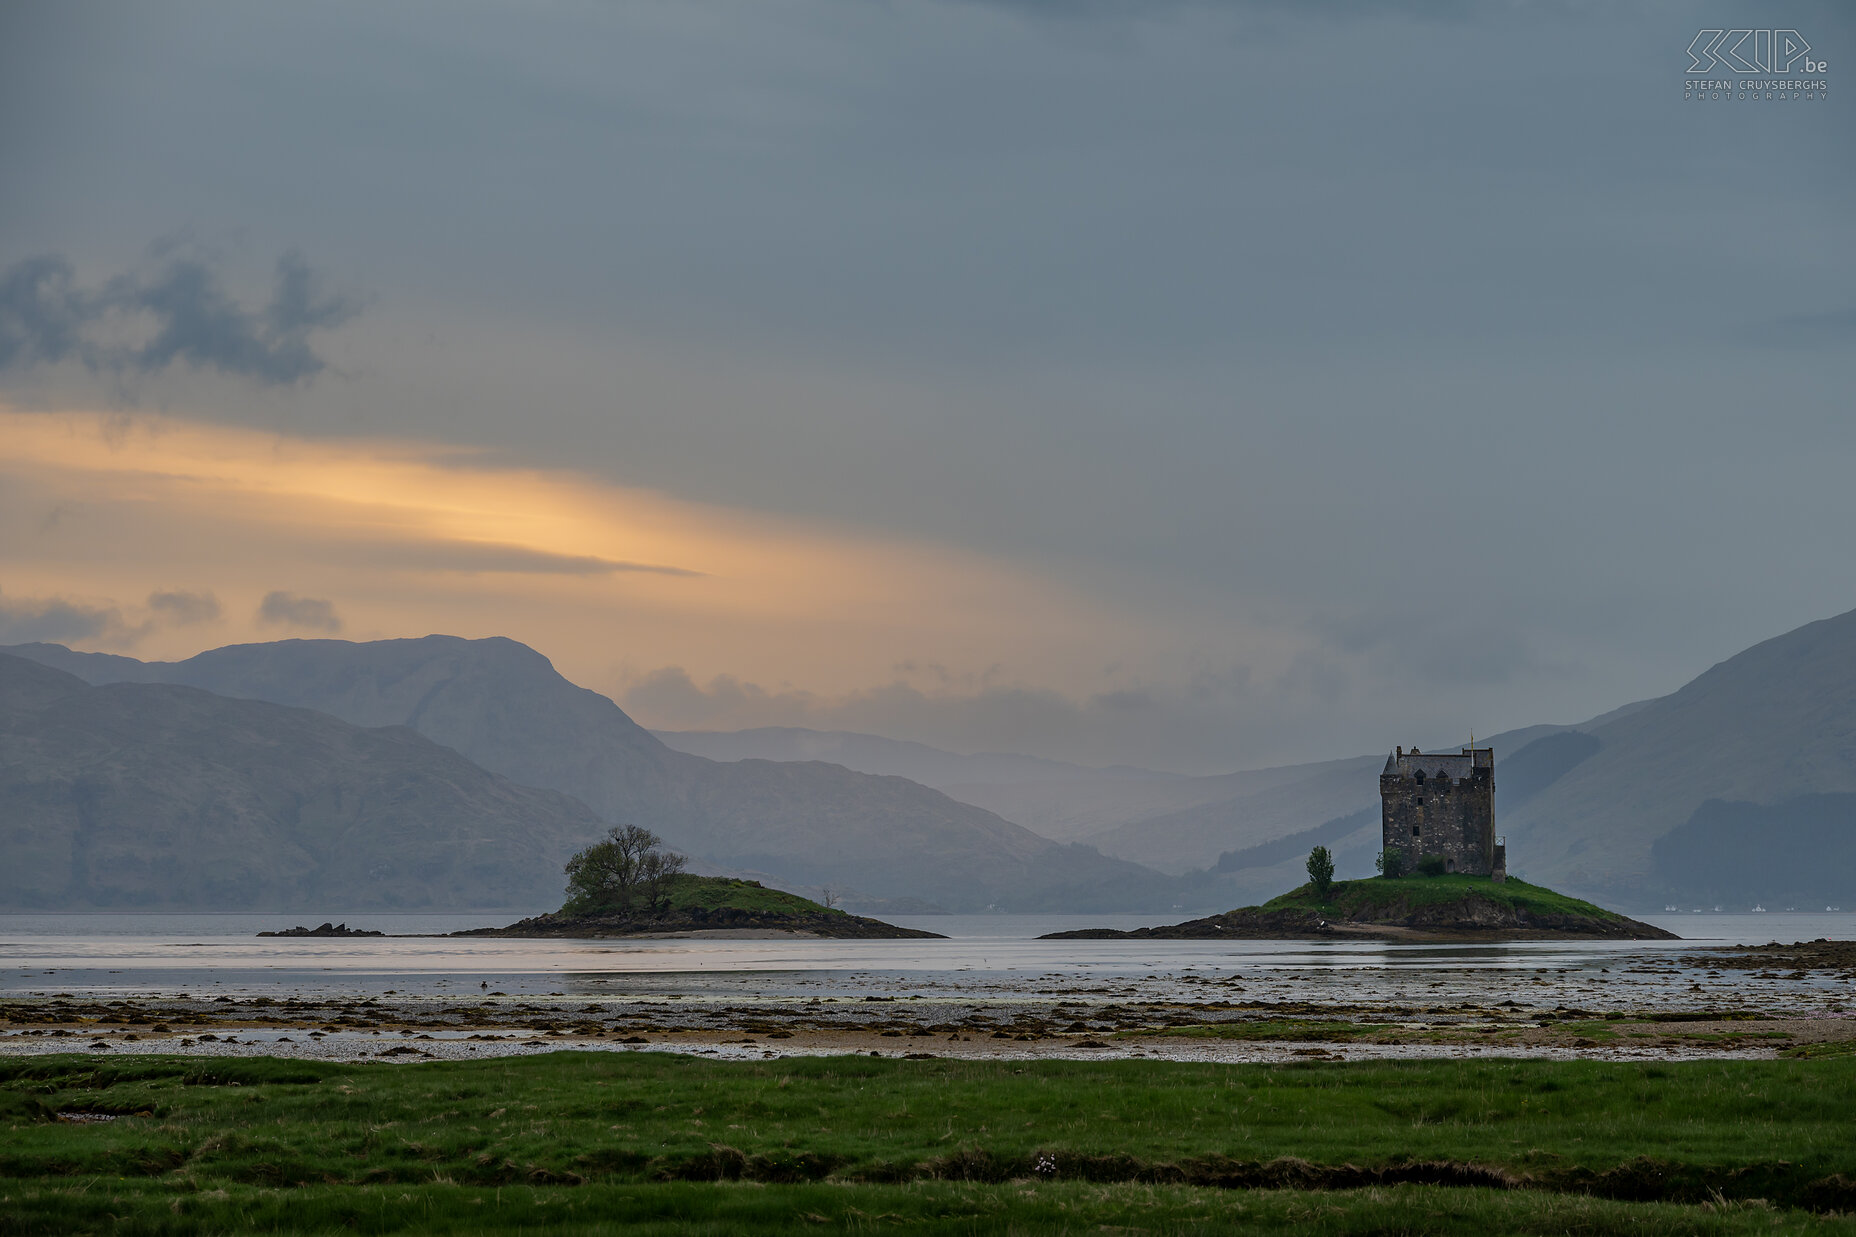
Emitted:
<point x="994" y="955"/>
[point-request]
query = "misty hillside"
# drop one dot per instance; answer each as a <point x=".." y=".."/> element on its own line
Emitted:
<point x="1745" y="773"/>
<point x="1773" y="724"/>
<point x="503" y="705"/>
<point x="1269" y="804"/>
<point x="1755" y="755"/>
<point x="1058" y="800"/>
<point x="165" y="796"/>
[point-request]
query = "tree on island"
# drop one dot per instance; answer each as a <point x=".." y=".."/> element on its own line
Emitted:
<point x="1321" y="871"/>
<point x="1391" y="863"/>
<point x="629" y="863"/>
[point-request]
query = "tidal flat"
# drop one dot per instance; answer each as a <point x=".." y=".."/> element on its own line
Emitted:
<point x="424" y="998"/>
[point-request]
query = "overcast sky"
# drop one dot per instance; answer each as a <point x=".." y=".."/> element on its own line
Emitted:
<point x="1192" y="385"/>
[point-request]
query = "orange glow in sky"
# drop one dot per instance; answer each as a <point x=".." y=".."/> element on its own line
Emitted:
<point x="406" y="538"/>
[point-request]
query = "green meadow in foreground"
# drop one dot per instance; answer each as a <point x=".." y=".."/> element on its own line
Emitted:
<point x="677" y="1144"/>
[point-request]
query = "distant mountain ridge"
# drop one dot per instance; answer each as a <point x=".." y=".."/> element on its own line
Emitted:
<point x="1751" y="761"/>
<point x="161" y="796"/>
<point x="502" y="705"/>
<point x="1765" y="740"/>
<point x="1061" y="801"/>
<point x="1766" y="737"/>
<point x="1773" y="723"/>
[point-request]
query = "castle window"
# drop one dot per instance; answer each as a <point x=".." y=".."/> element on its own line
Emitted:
<point x="1420" y="777"/>
<point x="1414" y="831"/>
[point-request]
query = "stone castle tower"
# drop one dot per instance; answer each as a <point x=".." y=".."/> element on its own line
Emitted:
<point x="1442" y="807"/>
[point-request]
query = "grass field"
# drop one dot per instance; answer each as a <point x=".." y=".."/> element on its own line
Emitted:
<point x="676" y="1144"/>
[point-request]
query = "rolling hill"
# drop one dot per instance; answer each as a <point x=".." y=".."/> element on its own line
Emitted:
<point x="157" y="796"/>
<point x="1723" y="790"/>
<point x="1753" y="759"/>
<point x="1768" y="726"/>
<point x="502" y="705"/>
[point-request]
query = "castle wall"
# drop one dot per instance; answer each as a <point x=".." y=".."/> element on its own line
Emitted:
<point x="1449" y="817"/>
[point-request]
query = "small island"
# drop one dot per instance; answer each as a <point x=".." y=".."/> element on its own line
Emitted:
<point x="627" y="885"/>
<point x="1443" y="876"/>
<point x="327" y="929"/>
<point x="1445" y="907"/>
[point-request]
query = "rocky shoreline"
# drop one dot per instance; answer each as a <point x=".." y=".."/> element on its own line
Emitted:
<point x="1644" y="1005"/>
<point x="1470" y="919"/>
<point x="696" y="920"/>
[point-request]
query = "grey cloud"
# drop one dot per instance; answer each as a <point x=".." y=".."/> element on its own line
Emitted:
<point x="57" y="620"/>
<point x="1194" y="303"/>
<point x="183" y="608"/>
<point x="1205" y="726"/>
<point x="1211" y="721"/>
<point x="1450" y="649"/>
<point x="46" y="317"/>
<point x="42" y="315"/>
<point x="290" y="610"/>
<point x="1833" y="328"/>
<point x="673" y="699"/>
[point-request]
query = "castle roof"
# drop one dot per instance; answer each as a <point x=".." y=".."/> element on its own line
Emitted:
<point x="1455" y="766"/>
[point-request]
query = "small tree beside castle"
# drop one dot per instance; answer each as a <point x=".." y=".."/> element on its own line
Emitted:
<point x="1321" y="871"/>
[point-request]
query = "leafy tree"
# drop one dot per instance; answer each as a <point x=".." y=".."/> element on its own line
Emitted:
<point x="1432" y="865"/>
<point x="654" y="873"/>
<point x="627" y="863"/>
<point x="1391" y="863"/>
<point x="1321" y="871"/>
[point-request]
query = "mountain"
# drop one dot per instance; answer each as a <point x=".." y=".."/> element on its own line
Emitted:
<point x="1058" y="800"/>
<point x="1753" y="852"/>
<point x="1766" y="728"/>
<point x="1268" y="804"/>
<point x="164" y="796"/>
<point x="1739" y="787"/>
<point x="502" y="705"/>
<point x="1752" y="761"/>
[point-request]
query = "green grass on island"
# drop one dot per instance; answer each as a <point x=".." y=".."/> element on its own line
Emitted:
<point x="1381" y="895"/>
<point x="712" y="893"/>
<point x="661" y="1143"/>
<point x="686" y="903"/>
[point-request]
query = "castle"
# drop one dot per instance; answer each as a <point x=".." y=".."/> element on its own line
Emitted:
<point x="1442" y="807"/>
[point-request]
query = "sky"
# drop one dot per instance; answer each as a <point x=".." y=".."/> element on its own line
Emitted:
<point x="1189" y="385"/>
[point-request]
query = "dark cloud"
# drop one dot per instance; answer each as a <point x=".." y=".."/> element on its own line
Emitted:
<point x="24" y="620"/>
<point x="293" y="611"/>
<point x="183" y="608"/>
<point x="181" y="313"/>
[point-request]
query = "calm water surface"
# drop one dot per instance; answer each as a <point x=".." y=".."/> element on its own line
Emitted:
<point x="992" y="954"/>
